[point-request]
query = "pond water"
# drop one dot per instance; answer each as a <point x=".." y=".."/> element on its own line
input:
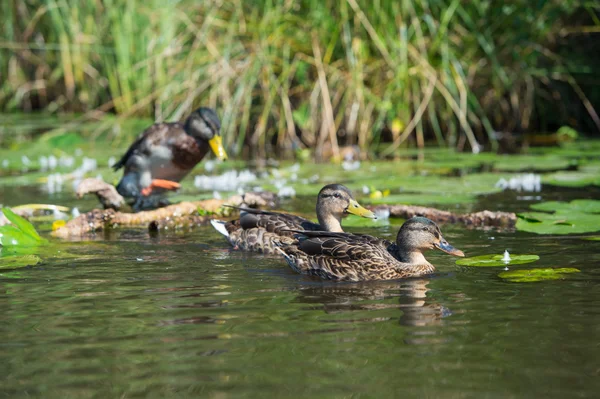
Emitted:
<point x="179" y="314"/>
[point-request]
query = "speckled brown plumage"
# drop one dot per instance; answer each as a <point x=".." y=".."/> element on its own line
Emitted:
<point x="263" y="231"/>
<point x="352" y="257"/>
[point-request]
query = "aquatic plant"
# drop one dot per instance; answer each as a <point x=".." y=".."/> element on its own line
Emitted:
<point x="497" y="260"/>
<point x="292" y="75"/>
<point x="19" y="233"/>
<point x="577" y="216"/>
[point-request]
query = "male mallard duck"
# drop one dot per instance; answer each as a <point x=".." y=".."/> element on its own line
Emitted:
<point x="260" y="231"/>
<point x="165" y="153"/>
<point x="350" y="257"/>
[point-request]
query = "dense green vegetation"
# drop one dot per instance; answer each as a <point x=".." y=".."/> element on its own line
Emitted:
<point x="316" y="74"/>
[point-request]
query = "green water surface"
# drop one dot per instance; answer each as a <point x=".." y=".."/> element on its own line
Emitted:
<point x="179" y="314"/>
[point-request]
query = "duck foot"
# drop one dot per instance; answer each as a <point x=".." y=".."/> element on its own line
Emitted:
<point x="160" y="183"/>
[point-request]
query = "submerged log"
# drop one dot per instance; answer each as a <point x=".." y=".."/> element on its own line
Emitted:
<point x="185" y="214"/>
<point x="477" y="219"/>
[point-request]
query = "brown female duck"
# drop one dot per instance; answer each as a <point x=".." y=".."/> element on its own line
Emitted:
<point x="350" y="257"/>
<point x="165" y="153"/>
<point x="261" y="231"/>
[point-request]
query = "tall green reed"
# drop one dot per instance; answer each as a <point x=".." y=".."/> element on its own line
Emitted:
<point x="293" y="74"/>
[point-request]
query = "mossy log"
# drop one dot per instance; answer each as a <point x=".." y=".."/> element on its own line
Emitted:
<point x="182" y="215"/>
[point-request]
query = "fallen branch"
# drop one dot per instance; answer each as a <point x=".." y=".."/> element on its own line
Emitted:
<point x="182" y="215"/>
<point x="477" y="219"/>
<point x="107" y="193"/>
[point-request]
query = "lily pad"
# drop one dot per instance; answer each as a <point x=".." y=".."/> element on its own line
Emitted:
<point x="533" y="275"/>
<point x="562" y="222"/>
<point x="514" y="163"/>
<point x="496" y="260"/>
<point x="587" y="174"/>
<point x="424" y="199"/>
<point x="584" y="205"/>
<point x="15" y="262"/>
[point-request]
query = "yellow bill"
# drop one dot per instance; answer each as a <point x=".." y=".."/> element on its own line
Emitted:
<point x="216" y="145"/>
<point x="356" y="209"/>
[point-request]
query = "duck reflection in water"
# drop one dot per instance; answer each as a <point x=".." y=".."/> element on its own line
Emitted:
<point x="417" y="309"/>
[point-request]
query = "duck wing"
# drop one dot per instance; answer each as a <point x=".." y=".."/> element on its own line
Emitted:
<point x="342" y="246"/>
<point x="157" y="134"/>
<point x="274" y="222"/>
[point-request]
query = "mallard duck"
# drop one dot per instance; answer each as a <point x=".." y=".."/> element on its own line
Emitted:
<point x="261" y="231"/>
<point x="353" y="257"/>
<point x="165" y="153"/>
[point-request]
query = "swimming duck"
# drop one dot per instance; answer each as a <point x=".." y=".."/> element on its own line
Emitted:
<point x="353" y="257"/>
<point x="165" y="153"/>
<point x="261" y="231"/>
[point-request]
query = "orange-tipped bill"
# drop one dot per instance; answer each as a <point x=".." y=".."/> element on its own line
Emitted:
<point x="160" y="183"/>
<point x="216" y="145"/>
<point x="356" y="209"/>
<point x="449" y="249"/>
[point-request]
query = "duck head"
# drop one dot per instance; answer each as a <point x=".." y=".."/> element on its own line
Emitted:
<point x="204" y="124"/>
<point x="334" y="202"/>
<point x="419" y="234"/>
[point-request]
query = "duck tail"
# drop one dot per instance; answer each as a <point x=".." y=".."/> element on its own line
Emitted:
<point x="287" y="257"/>
<point x="219" y="225"/>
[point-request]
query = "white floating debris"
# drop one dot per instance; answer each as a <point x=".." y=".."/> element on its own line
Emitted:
<point x="286" y="191"/>
<point x="506" y="258"/>
<point x="294" y="168"/>
<point x="365" y="190"/>
<point x="216" y="195"/>
<point x="382" y="213"/>
<point x="5" y="163"/>
<point x="526" y="182"/>
<point x="66" y="161"/>
<point x="228" y="181"/>
<point x="43" y="163"/>
<point x="25" y="161"/>
<point x="279" y="183"/>
<point x="75" y="212"/>
<point x="209" y="165"/>
<point x="111" y="161"/>
<point x="54" y="183"/>
<point x="58" y="215"/>
<point x="348" y="165"/>
<point x="52" y="162"/>
<point x="139" y="259"/>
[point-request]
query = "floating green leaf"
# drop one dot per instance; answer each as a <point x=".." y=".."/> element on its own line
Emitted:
<point x="533" y="275"/>
<point x="496" y="260"/>
<point x="21" y="223"/>
<point x="562" y="222"/>
<point x="584" y="205"/>
<point x="12" y="236"/>
<point x="424" y="199"/>
<point x="514" y="163"/>
<point x="20" y="233"/>
<point x="14" y="262"/>
<point x="357" y="221"/>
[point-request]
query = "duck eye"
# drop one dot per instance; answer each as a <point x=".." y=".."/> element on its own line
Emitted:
<point x="337" y="195"/>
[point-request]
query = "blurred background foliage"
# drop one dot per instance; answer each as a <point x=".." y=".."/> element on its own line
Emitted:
<point x="319" y="74"/>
